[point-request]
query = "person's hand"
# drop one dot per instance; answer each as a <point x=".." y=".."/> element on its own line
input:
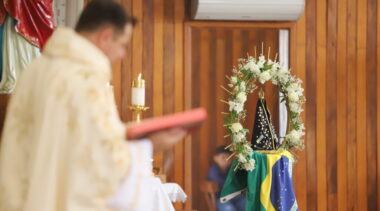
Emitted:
<point x="166" y="139"/>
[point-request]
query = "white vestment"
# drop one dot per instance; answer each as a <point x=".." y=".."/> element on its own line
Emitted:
<point x="63" y="146"/>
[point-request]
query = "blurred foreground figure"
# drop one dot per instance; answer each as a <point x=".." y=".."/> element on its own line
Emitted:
<point x="218" y="173"/>
<point x="63" y="145"/>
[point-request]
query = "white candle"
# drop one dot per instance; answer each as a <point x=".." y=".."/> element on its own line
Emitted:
<point x="138" y="96"/>
<point x="138" y="91"/>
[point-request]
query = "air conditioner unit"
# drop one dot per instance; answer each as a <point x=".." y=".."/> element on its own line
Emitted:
<point x="248" y="10"/>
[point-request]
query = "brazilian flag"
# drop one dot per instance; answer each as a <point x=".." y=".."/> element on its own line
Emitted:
<point x="268" y="187"/>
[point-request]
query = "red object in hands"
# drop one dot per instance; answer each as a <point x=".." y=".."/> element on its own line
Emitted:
<point x="35" y="19"/>
<point x="188" y="120"/>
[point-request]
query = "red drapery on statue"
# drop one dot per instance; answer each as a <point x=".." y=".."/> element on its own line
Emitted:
<point x="3" y="13"/>
<point x="35" y="20"/>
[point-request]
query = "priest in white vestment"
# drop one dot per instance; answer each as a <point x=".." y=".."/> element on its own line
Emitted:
<point x="63" y="146"/>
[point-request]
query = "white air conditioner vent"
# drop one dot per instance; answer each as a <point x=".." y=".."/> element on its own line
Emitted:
<point x="248" y="10"/>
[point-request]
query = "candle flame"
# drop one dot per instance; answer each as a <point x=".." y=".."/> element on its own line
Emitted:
<point x="139" y="76"/>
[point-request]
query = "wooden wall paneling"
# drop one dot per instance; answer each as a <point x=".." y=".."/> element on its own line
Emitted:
<point x="188" y="103"/>
<point x="137" y="39"/>
<point x="148" y="71"/>
<point x="371" y="81"/>
<point x="220" y="55"/>
<point x="293" y="46"/>
<point x="205" y="101"/>
<point x="321" y="109"/>
<point x="192" y="62"/>
<point x="352" y="137"/>
<point x="168" y="73"/>
<point x="179" y="8"/>
<point x="116" y="82"/>
<point x="341" y="105"/>
<point x="311" y="104"/>
<point x="378" y="103"/>
<point x="299" y="68"/>
<point x="361" y="103"/>
<point x="244" y="39"/>
<point x="158" y="65"/>
<point x="179" y="149"/>
<point x="126" y="77"/>
<point x="213" y="87"/>
<point x="158" y="47"/>
<point x="116" y="75"/>
<point x="168" y="57"/>
<point x="331" y="100"/>
<point x="237" y="46"/>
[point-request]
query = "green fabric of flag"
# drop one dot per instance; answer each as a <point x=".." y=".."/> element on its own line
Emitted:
<point x="268" y="187"/>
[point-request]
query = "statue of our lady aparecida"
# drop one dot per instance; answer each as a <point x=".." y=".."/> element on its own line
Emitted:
<point x="269" y="185"/>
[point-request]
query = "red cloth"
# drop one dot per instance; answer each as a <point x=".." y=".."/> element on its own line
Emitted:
<point x="3" y="13"/>
<point x="35" y="20"/>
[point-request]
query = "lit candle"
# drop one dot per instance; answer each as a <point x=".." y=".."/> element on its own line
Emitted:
<point x="138" y="91"/>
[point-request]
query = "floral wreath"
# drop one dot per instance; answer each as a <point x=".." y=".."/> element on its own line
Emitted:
<point x="242" y="82"/>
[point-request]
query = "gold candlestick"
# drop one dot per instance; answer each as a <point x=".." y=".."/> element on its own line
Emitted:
<point x="137" y="111"/>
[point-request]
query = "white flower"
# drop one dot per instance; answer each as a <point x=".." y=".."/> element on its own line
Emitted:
<point x="273" y="77"/>
<point x="275" y="66"/>
<point x="293" y="97"/>
<point x="236" y="127"/>
<point x="236" y="88"/>
<point x="295" y="87"/>
<point x="272" y="73"/>
<point x="235" y="106"/>
<point x="253" y="67"/>
<point x="270" y="62"/>
<point x="234" y="80"/>
<point x="262" y="58"/>
<point x="250" y="165"/>
<point x="264" y="76"/>
<point x="239" y="107"/>
<point x="232" y="105"/>
<point x="283" y="75"/>
<point x="242" y="97"/>
<point x="295" y="135"/>
<point x="242" y="86"/>
<point x="241" y="158"/>
<point x="295" y="107"/>
<point x="238" y="137"/>
<point x="248" y="149"/>
<point x="261" y="61"/>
